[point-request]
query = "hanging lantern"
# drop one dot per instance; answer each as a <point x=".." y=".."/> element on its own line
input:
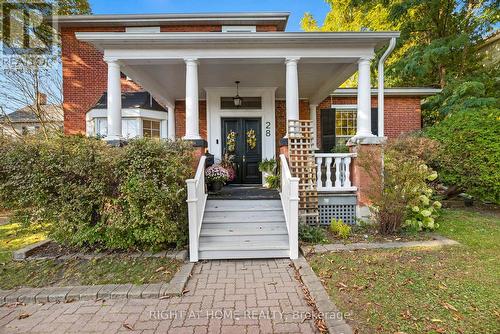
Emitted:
<point x="237" y="99"/>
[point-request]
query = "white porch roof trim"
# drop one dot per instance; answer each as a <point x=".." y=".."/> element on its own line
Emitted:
<point x="375" y="39"/>
<point x="399" y="91"/>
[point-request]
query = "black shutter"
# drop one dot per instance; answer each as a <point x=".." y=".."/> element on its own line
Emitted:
<point x="375" y="121"/>
<point x="327" y="129"/>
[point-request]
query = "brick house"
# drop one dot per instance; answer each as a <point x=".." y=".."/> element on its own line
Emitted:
<point x="200" y="77"/>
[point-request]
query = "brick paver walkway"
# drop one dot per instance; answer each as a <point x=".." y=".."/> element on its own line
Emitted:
<point x="254" y="296"/>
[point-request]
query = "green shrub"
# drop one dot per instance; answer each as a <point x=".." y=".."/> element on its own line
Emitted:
<point x="311" y="234"/>
<point x="268" y="166"/>
<point x="273" y="181"/>
<point x="97" y="195"/>
<point x="340" y="229"/>
<point x="470" y="151"/>
<point x="405" y="180"/>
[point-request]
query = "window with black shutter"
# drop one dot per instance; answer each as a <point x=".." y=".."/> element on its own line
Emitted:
<point x="375" y="121"/>
<point x="327" y="129"/>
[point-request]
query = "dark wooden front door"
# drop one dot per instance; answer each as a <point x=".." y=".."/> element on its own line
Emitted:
<point x="247" y="152"/>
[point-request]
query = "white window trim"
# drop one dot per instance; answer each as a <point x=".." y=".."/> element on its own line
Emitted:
<point x="239" y="28"/>
<point x="129" y="113"/>
<point x="345" y="107"/>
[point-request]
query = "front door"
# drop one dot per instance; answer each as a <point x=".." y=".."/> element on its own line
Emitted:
<point x="241" y="139"/>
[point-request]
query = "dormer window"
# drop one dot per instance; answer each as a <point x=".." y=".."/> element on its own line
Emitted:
<point x="239" y="28"/>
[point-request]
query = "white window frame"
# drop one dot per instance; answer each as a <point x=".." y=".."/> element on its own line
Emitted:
<point x="129" y="114"/>
<point x="239" y="28"/>
<point x="349" y="107"/>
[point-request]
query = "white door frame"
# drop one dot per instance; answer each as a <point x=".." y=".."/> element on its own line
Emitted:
<point x="267" y="114"/>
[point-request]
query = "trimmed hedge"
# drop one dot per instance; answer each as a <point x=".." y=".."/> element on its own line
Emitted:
<point x="96" y="195"/>
<point x="470" y="151"/>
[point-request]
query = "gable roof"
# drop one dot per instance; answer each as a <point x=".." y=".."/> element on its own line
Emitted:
<point x="279" y="19"/>
<point x="132" y="100"/>
<point x="51" y="112"/>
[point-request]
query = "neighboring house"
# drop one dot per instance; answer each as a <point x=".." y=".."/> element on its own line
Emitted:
<point x="490" y="48"/>
<point x="31" y="119"/>
<point x="215" y="74"/>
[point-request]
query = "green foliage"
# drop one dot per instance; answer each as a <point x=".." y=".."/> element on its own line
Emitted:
<point x="273" y="181"/>
<point x="268" y="166"/>
<point x="340" y="149"/>
<point x="470" y="151"/>
<point x="97" y="195"/>
<point x="312" y="234"/>
<point x="405" y="181"/>
<point x="340" y="229"/>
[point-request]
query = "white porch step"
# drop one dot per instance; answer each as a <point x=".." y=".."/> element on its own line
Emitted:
<point x="239" y="229"/>
<point x="243" y="217"/>
<point x="242" y="205"/>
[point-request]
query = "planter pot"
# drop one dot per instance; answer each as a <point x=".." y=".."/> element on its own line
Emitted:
<point x="216" y="186"/>
<point x="264" y="178"/>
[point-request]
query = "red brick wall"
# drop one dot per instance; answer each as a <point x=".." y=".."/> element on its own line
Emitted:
<point x="280" y="117"/>
<point x="85" y="76"/>
<point x="85" y="72"/>
<point x="401" y="113"/>
<point x="180" y="118"/>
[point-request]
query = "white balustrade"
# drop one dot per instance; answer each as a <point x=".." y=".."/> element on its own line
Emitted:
<point x="341" y="180"/>
<point x="196" y="199"/>
<point x="290" y="201"/>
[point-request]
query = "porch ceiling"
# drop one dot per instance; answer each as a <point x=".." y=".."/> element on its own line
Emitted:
<point x="168" y="79"/>
<point x="156" y="60"/>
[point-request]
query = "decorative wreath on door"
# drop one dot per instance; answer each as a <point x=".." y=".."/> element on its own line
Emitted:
<point x="231" y="141"/>
<point x="251" y="139"/>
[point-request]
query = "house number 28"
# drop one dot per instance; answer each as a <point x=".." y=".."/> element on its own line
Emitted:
<point x="268" y="129"/>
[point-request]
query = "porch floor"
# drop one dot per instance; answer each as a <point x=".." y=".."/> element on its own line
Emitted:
<point x="245" y="192"/>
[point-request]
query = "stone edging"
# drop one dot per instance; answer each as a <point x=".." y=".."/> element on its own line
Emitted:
<point x="334" y="323"/>
<point x="93" y="292"/>
<point x="438" y="242"/>
<point x="24" y="253"/>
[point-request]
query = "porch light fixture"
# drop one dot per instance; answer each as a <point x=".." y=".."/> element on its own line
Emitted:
<point x="237" y="99"/>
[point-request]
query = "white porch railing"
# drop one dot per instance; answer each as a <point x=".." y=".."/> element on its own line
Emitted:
<point x="333" y="172"/>
<point x="196" y="199"/>
<point x="290" y="201"/>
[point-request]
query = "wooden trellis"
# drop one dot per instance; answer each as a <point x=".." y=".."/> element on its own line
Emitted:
<point x="303" y="165"/>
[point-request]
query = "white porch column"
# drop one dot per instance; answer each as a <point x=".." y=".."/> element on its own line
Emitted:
<point x="292" y="90"/>
<point x="364" y="99"/>
<point x="312" y="117"/>
<point x="114" y="102"/>
<point x="171" y="123"/>
<point x="192" y="113"/>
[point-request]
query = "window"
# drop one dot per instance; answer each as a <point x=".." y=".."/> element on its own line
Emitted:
<point x="130" y="128"/>
<point x="151" y="129"/>
<point x="253" y="102"/>
<point x="239" y="28"/>
<point x="345" y="125"/>
<point x="101" y="127"/>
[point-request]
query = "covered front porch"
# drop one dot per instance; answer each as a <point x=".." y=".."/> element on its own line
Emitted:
<point x="283" y="77"/>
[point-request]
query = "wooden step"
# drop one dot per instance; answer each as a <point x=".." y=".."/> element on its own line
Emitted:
<point x="243" y="229"/>
<point x="239" y="216"/>
<point x="248" y="225"/>
<point x="242" y="205"/>
<point x="244" y="239"/>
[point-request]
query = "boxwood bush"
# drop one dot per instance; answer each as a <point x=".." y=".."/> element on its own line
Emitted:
<point x="95" y="195"/>
<point x="470" y="151"/>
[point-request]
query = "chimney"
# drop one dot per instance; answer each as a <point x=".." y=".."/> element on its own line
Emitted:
<point x="42" y="98"/>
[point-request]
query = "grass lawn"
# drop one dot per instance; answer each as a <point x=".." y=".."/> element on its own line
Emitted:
<point x="38" y="273"/>
<point x="448" y="290"/>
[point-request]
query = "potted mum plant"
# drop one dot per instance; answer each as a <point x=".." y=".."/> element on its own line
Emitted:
<point x="216" y="176"/>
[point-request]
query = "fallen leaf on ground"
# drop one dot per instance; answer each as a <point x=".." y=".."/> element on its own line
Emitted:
<point x="127" y="326"/>
<point x="159" y="269"/>
<point x="23" y="315"/>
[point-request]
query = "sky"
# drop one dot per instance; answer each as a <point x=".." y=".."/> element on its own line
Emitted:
<point x="297" y="8"/>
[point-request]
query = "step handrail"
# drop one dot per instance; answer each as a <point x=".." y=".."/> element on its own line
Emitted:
<point x="290" y="201"/>
<point x="196" y="200"/>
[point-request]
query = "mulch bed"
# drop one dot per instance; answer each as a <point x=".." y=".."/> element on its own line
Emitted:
<point x="54" y="250"/>
<point x="359" y="234"/>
